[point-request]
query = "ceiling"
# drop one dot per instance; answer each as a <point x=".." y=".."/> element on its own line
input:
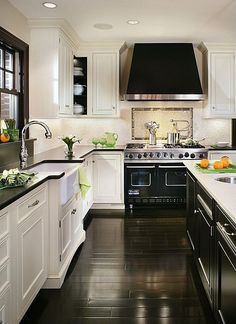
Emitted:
<point x="160" y="20"/>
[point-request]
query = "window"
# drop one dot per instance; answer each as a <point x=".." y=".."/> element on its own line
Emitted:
<point x="13" y="79"/>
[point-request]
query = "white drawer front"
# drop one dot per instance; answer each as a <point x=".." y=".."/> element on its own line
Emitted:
<point x="4" y="225"/>
<point x="4" y="276"/>
<point x="4" y="251"/>
<point x="31" y="204"/>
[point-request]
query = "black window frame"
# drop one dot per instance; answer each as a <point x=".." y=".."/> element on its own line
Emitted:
<point x="10" y="41"/>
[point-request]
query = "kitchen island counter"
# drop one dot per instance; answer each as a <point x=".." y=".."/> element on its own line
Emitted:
<point x="223" y="193"/>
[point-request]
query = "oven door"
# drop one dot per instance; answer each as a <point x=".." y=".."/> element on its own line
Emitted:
<point x="172" y="181"/>
<point x="140" y="181"/>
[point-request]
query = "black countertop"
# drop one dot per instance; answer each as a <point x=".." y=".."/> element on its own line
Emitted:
<point x="8" y="196"/>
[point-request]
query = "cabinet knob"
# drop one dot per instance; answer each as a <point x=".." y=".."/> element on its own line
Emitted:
<point x="213" y="107"/>
<point x="73" y="211"/>
<point x="67" y="106"/>
<point x="113" y="107"/>
<point x="196" y="211"/>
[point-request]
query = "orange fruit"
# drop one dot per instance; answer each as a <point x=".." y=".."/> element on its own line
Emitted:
<point x="226" y="162"/>
<point x="218" y="165"/>
<point x="5" y="138"/>
<point x="204" y="163"/>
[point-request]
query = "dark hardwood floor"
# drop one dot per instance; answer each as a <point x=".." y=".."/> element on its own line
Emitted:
<point x="133" y="268"/>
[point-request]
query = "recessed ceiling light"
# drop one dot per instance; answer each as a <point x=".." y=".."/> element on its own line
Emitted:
<point x="49" y="5"/>
<point x="133" y="22"/>
<point x="103" y="26"/>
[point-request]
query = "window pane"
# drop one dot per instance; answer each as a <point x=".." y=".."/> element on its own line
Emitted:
<point x="1" y="79"/>
<point x="9" y="80"/>
<point x="9" y="107"/>
<point x="9" y="61"/>
<point x="1" y="57"/>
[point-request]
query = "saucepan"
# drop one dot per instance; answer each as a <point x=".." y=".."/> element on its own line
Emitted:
<point x="173" y="138"/>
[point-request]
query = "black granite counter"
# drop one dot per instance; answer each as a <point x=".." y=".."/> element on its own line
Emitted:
<point x="8" y="196"/>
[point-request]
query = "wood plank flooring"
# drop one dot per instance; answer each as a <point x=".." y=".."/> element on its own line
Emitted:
<point x="134" y="268"/>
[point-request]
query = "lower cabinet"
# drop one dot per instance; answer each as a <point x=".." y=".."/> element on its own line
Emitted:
<point x="191" y="219"/>
<point x="225" y="290"/>
<point x="88" y="170"/>
<point x="32" y="247"/>
<point x="6" y="310"/>
<point x="108" y="178"/>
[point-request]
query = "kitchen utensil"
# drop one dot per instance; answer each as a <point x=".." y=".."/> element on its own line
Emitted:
<point x="152" y="126"/>
<point x="111" y="139"/>
<point x="173" y="138"/>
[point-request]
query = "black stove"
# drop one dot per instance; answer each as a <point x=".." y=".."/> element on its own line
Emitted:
<point x="144" y="151"/>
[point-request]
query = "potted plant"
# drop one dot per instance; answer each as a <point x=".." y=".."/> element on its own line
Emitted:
<point x="11" y="129"/>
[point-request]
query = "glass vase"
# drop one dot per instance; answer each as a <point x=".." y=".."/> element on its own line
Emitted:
<point x="69" y="152"/>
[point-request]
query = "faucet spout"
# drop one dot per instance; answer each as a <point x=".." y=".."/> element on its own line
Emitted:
<point x="23" y="148"/>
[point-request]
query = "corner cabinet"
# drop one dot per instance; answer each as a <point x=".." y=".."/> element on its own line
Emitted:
<point x="219" y="75"/>
<point x="105" y="84"/>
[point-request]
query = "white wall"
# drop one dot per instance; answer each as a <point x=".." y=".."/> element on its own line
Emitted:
<point x="13" y="21"/>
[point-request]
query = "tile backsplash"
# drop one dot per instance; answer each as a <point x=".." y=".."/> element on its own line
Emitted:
<point x="183" y="117"/>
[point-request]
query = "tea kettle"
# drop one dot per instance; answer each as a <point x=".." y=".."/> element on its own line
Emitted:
<point x="111" y="139"/>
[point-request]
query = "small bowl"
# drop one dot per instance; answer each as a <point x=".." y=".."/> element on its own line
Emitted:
<point x="222" y="144"/>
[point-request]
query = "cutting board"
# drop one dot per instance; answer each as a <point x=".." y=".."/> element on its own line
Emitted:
<point x="210" y="169"/>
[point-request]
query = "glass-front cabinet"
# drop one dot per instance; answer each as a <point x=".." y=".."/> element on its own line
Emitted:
<point x="80" y="86"/>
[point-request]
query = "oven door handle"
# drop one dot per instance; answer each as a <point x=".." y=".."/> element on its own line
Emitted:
<point x="172" y="167"/>
<point x="141" y="167"/>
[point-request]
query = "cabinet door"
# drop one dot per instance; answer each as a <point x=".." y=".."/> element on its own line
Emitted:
<point x="66" y="77"/>
<point x="65" y="234"/>
<point x="205" y="245"/>
<point x="77" y="220"/>
<point x="88" y="199"/>
<point x="191" y="219"/>
<point x="222" y="83"/>
<point x="31" y="256"/>
<point x="107" y="178"/>
<point x="6" y="309"/>
<point x="105" y="84"/>
<point x="225" y="269"/>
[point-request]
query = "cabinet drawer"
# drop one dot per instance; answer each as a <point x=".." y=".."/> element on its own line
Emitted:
<point x="4" y="276"/>
<point x="31" y="204"/>
<point x="4" y="225"/>
<point x="205" y="200"/>
<point x="4" y="251"/>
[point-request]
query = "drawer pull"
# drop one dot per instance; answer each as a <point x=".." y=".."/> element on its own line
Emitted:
<point x="225" y="231"/>
<point x="35" y="203"/>
<point x="73" y="211"/>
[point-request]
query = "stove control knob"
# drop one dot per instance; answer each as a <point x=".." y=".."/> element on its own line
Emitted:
<point x="165" y="154"/>
<point x="181" y="155"/>
<point x="172" y="155"/>
<point x="186" y="154"/>
<point x="139" y="156"/>
<point x="201" y="155"/>
<point x="131" y="156"/>
<point x="192" y="155"/>
<point x="151" y="155"/>
<point x="145" y="154"/>
<point x="158" y="154"/>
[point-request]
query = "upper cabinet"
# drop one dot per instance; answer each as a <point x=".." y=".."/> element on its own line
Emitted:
<point x="51" y="69"/>
<point x="219" y="75"/>
<point x="96" y="88"/>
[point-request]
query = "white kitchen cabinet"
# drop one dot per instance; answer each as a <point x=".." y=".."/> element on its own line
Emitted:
<point x="108" y="177"/>
<point x="65" y="231"/>
<point x="51" y="70"/>
<point x="87" y="201"/>
<point x="5" y="269"/>
<point x="32" y="247"/>
<point x="105" y="89"/>
<point x="65" y="76"/>
<point x="216" y="155"/>
<point x="219" y="79"/>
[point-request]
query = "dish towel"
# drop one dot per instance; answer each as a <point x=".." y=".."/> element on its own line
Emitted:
<point x="83" y="182"/>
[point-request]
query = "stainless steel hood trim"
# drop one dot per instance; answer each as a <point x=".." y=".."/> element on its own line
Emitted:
<point x="169" y="97"/>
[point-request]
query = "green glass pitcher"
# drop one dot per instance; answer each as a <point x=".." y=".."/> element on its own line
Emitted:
<point x="111" y="139"/>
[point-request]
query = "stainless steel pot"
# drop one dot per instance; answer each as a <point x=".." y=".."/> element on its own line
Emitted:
<point x="173" y="138"/>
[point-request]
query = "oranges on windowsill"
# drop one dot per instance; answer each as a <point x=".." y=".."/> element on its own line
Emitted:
<point x="4" y="137"/>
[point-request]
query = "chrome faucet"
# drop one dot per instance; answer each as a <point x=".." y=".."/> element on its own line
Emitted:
<point x="23" y="148"/>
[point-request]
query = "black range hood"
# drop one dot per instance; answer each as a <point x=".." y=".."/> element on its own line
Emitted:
<point x="164" y="71"/>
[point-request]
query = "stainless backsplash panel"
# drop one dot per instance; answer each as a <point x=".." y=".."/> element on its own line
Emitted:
<point x="162" y="116"/>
